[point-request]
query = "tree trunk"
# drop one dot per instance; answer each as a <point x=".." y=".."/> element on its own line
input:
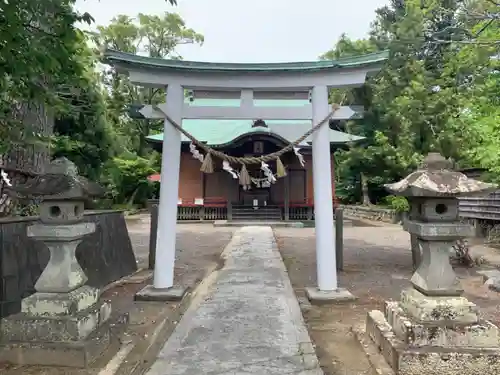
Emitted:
<point x="364" y="190"/>
<point x="29" y="152"/>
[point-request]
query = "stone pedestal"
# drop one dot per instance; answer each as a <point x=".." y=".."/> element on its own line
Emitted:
<point x="63" y="323"/>
<point x="57" y="329"/>
<point x="434" y="329"/>
<point x="424" y="335"/>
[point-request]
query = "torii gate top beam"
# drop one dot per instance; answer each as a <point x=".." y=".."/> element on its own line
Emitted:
<point x="296" y="76"/>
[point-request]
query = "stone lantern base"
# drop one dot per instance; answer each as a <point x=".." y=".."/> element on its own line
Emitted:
<point x="57" y="329"/>
<point x="424" y="335"/>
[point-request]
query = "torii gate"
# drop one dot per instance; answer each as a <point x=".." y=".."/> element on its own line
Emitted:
<point x="248" y="82"/>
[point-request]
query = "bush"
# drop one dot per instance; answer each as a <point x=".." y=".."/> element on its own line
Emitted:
<point x="396" y="203"/>
<point x="126" y="181"/>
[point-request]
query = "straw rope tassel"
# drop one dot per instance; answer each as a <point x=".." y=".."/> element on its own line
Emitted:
<point x="245" y="179"/>
<point x="280" y="168"/>
<point x="207" y="166"/>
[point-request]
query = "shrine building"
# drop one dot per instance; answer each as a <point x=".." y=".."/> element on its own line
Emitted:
<point x="288" y="198"/>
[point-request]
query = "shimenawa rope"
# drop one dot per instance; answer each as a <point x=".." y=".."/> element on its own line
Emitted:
<point x="245" y="179"/>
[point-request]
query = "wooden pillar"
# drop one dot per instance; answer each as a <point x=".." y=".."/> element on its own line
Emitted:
<point x="286" y="185"/>
<point x="310" y="212"/>
<point x="229" y="210"/>
<point x="202" y="208"/>
<point x="339" y="238"/>
<point x="153" y="211"/>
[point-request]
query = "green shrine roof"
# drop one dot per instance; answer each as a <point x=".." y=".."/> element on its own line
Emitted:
<point x="117" y="57"/>
<point x="223" y="132"/>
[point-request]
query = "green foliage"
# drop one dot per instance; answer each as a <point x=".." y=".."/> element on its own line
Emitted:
<point x="85" y="137"/>
<point x="156" y="36"/>
<point x="46" y="59"/>
<point x="39" y="58"/>
<point x="436" y="93"/>
<point x="439" y="91"/>
<point x="396" y="203"/>
<point x="125" y="179"/>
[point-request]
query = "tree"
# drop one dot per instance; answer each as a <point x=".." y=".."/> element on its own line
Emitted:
<point x="48" y="85"/>
<point x="39" y="66"/>
<point x="86" y="136"/>
<point x="412" y="105"/>
<point x="478" y="124"/>
<point x="39" y="46"/>
<point x="158" y="36"/>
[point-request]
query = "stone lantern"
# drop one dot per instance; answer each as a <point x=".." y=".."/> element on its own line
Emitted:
<point x="434" y="329"/>
<point x="63" y="323"/>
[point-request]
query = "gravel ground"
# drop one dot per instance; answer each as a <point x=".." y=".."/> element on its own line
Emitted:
<point x="377" y="267"/>
<point x="197" y="245"/>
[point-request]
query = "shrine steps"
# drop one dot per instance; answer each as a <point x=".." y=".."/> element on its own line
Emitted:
<point x="259" y="223"/>
<point x="263" y="213"/>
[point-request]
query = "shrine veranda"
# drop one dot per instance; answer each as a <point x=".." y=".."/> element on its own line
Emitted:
<point x="289" y="98"/>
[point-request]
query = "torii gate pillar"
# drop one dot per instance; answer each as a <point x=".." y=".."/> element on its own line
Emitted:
<point x="326" y="267"/>
<point x="163" y="288"/>
<point x="169" y="191"/>
<point x="322" y="176"/>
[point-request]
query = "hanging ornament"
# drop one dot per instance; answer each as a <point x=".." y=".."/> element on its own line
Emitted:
<point x="227" y="167"/>
<point x="261" y="182"/>
<point x="280" y="168"/>
<point x="194" y="151"/>
<point x="5" y="178"/>
<point x="267" y="172"/>
<point x="208" y="165"/>
<point x="297" y="153"/>
<point x="245" y="179"/>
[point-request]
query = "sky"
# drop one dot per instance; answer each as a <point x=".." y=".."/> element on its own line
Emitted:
<point x="253" y="30"/>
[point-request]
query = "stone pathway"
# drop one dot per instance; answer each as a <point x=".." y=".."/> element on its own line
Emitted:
<point x="249" y="323"/>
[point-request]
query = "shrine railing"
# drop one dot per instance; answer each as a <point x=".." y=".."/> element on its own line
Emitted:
<point x="213" y="208"/>
<point x="217" y="208"/>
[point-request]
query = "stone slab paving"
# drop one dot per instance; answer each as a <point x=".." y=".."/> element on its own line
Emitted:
<point x="249" y="323"/>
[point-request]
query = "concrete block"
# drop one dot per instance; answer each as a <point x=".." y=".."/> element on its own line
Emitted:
<point x="50" y="304"/>
<point x="428" y="360"/>
<point x="66" y="328"/>
<point x="489" y="274"/>
<point x="318" y="297"/>
<point x="150" y="293"/>
<point x="76" y="354"/>
<point x="440" y="334"/>
<point x="424" y="308"/>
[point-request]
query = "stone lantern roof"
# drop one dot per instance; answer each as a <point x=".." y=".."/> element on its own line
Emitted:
<point x="436" y="178"/>
<point x="60" y="181"/>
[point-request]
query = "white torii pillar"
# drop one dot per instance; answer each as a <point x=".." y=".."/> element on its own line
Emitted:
<point x="163" y="288"/>
<point x="326" y="267"/>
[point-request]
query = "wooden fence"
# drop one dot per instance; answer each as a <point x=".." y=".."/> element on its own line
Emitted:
<point x="481" y="208"/>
